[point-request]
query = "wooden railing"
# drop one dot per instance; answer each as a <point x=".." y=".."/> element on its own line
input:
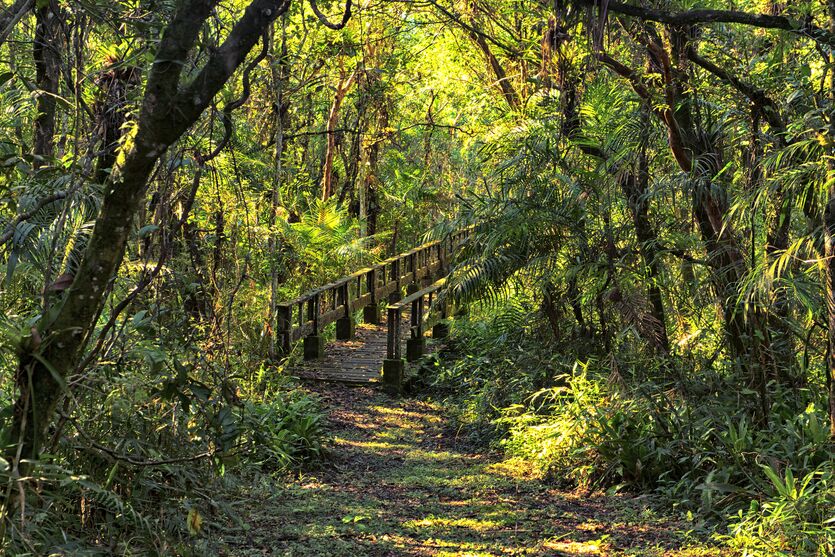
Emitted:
<point x="305" y="316"/>
<point x="427" y="311"/>
<point x="424" y="314"/>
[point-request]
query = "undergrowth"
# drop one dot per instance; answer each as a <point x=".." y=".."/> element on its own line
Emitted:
<point x="606" y="422"/>
<point x="173" y="481"/>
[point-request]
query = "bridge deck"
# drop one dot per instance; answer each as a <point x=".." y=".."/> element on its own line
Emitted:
<point x="356" y="362"/>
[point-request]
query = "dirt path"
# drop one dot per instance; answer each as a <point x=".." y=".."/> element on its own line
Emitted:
<point x="399" y="484"/>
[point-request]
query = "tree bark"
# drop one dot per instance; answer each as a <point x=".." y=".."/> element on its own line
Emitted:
<point x="636" y="189"/>
<point x="46" y="52"/>
<point x="11" y="16"/>
<point x="342" y="89"/>
<point x="278" y="66"/>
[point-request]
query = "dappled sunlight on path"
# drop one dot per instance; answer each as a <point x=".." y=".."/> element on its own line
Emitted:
<point x="399" y="484"/>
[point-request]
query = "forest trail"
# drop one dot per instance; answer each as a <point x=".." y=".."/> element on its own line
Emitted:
<point x="356" y="361"/>
<point x="399" y="482"/>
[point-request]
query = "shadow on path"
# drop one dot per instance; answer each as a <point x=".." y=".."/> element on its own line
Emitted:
<point x="398" y="484"/>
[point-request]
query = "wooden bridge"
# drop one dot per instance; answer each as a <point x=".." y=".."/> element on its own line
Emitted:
<point x="372" y="351"/>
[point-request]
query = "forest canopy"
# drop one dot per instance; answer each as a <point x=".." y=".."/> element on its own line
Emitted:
<point x="650" y="274"/>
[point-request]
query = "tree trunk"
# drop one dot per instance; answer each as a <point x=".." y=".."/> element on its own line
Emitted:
<point x="278" y="67"/>
<point x="635" y="190"/>
<point x="333" y="117"/>
<point x="168" y="110"/>
<point x="47" y="55"/>
<point x="829" y="243"/>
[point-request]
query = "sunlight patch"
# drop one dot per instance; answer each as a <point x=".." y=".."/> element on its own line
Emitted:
<point x="369" y="444"/>
<point x="444" y="522"/>
<point x="573" y="548"/>
<point x="516" y="468"/>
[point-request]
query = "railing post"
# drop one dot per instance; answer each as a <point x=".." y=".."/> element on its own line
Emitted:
<point x="395" y="269"/>
<point x="441" y="329"/>
<point x="445" y="255"/>
<point x="393" y="366"/>
<point x="285" y="327"/>
<point x="345" y="324"/>
<point x="314" y="343"/>
<point x="371" y="312"/>
<point x="416" y="345"/>
<point x="427" y="267"/>
<point x="413" y="285"/>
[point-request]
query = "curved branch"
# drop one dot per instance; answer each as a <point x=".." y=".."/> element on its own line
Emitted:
<point x="695" y="17"/>
<point x="10" y="17"/>
<point x="237" y="103"/>
<point x="324" y="20"/>
<point x="766" y="106"/>
<point x="677" y="144"/>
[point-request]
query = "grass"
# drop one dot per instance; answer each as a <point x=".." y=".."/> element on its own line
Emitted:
<point x="399" y="483"/>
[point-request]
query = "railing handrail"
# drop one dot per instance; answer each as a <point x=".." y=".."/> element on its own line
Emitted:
<point x="401" y="304"/>
<point x="358" y="274"/>
<point x="307" y="313"/>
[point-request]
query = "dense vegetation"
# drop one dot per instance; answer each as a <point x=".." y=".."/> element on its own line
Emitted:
<point x="651" y="276"/>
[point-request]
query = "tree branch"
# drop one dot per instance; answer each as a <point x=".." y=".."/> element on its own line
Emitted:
<point x="508" y="91"/>
<point x="196" y="96"/>
<point x="164" y="77"/>
<point x="695" y="17"/>
<point x="666" y="114"/>
<point x="10" y="17"/>
<point x="324" y="20"/>
<point x="766" y="106"/>
<point x="237" y="103"/>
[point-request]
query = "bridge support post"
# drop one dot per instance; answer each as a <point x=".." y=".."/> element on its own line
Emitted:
<point x="345" y="324"/>
<point x="371" y="313"/>
<point x="395" y="277"/>
<point x="285" y="325"/>
<point x="415" y="348"/>
<point x="345" y="328"/>
<point x="441" y="330"/>
<point x="314" y="343"/>
<point x="314" y="347"/>
<point x="416" y="345"/>
<point x="394" y="370"/>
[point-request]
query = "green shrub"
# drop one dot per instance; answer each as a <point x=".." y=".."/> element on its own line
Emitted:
<point x="694" y="439"/>
<point x="794" y="518"/>
<point x="284" y="432"/>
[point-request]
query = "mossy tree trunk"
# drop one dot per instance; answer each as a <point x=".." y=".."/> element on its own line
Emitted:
<point x="169" y="108"/>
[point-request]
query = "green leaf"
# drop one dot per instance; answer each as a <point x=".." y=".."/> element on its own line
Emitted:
<point x="200" y="391"/>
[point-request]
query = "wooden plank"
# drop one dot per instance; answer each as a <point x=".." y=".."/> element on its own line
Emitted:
<point x="419" y="294"/>
<point x="361" y="302"/>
